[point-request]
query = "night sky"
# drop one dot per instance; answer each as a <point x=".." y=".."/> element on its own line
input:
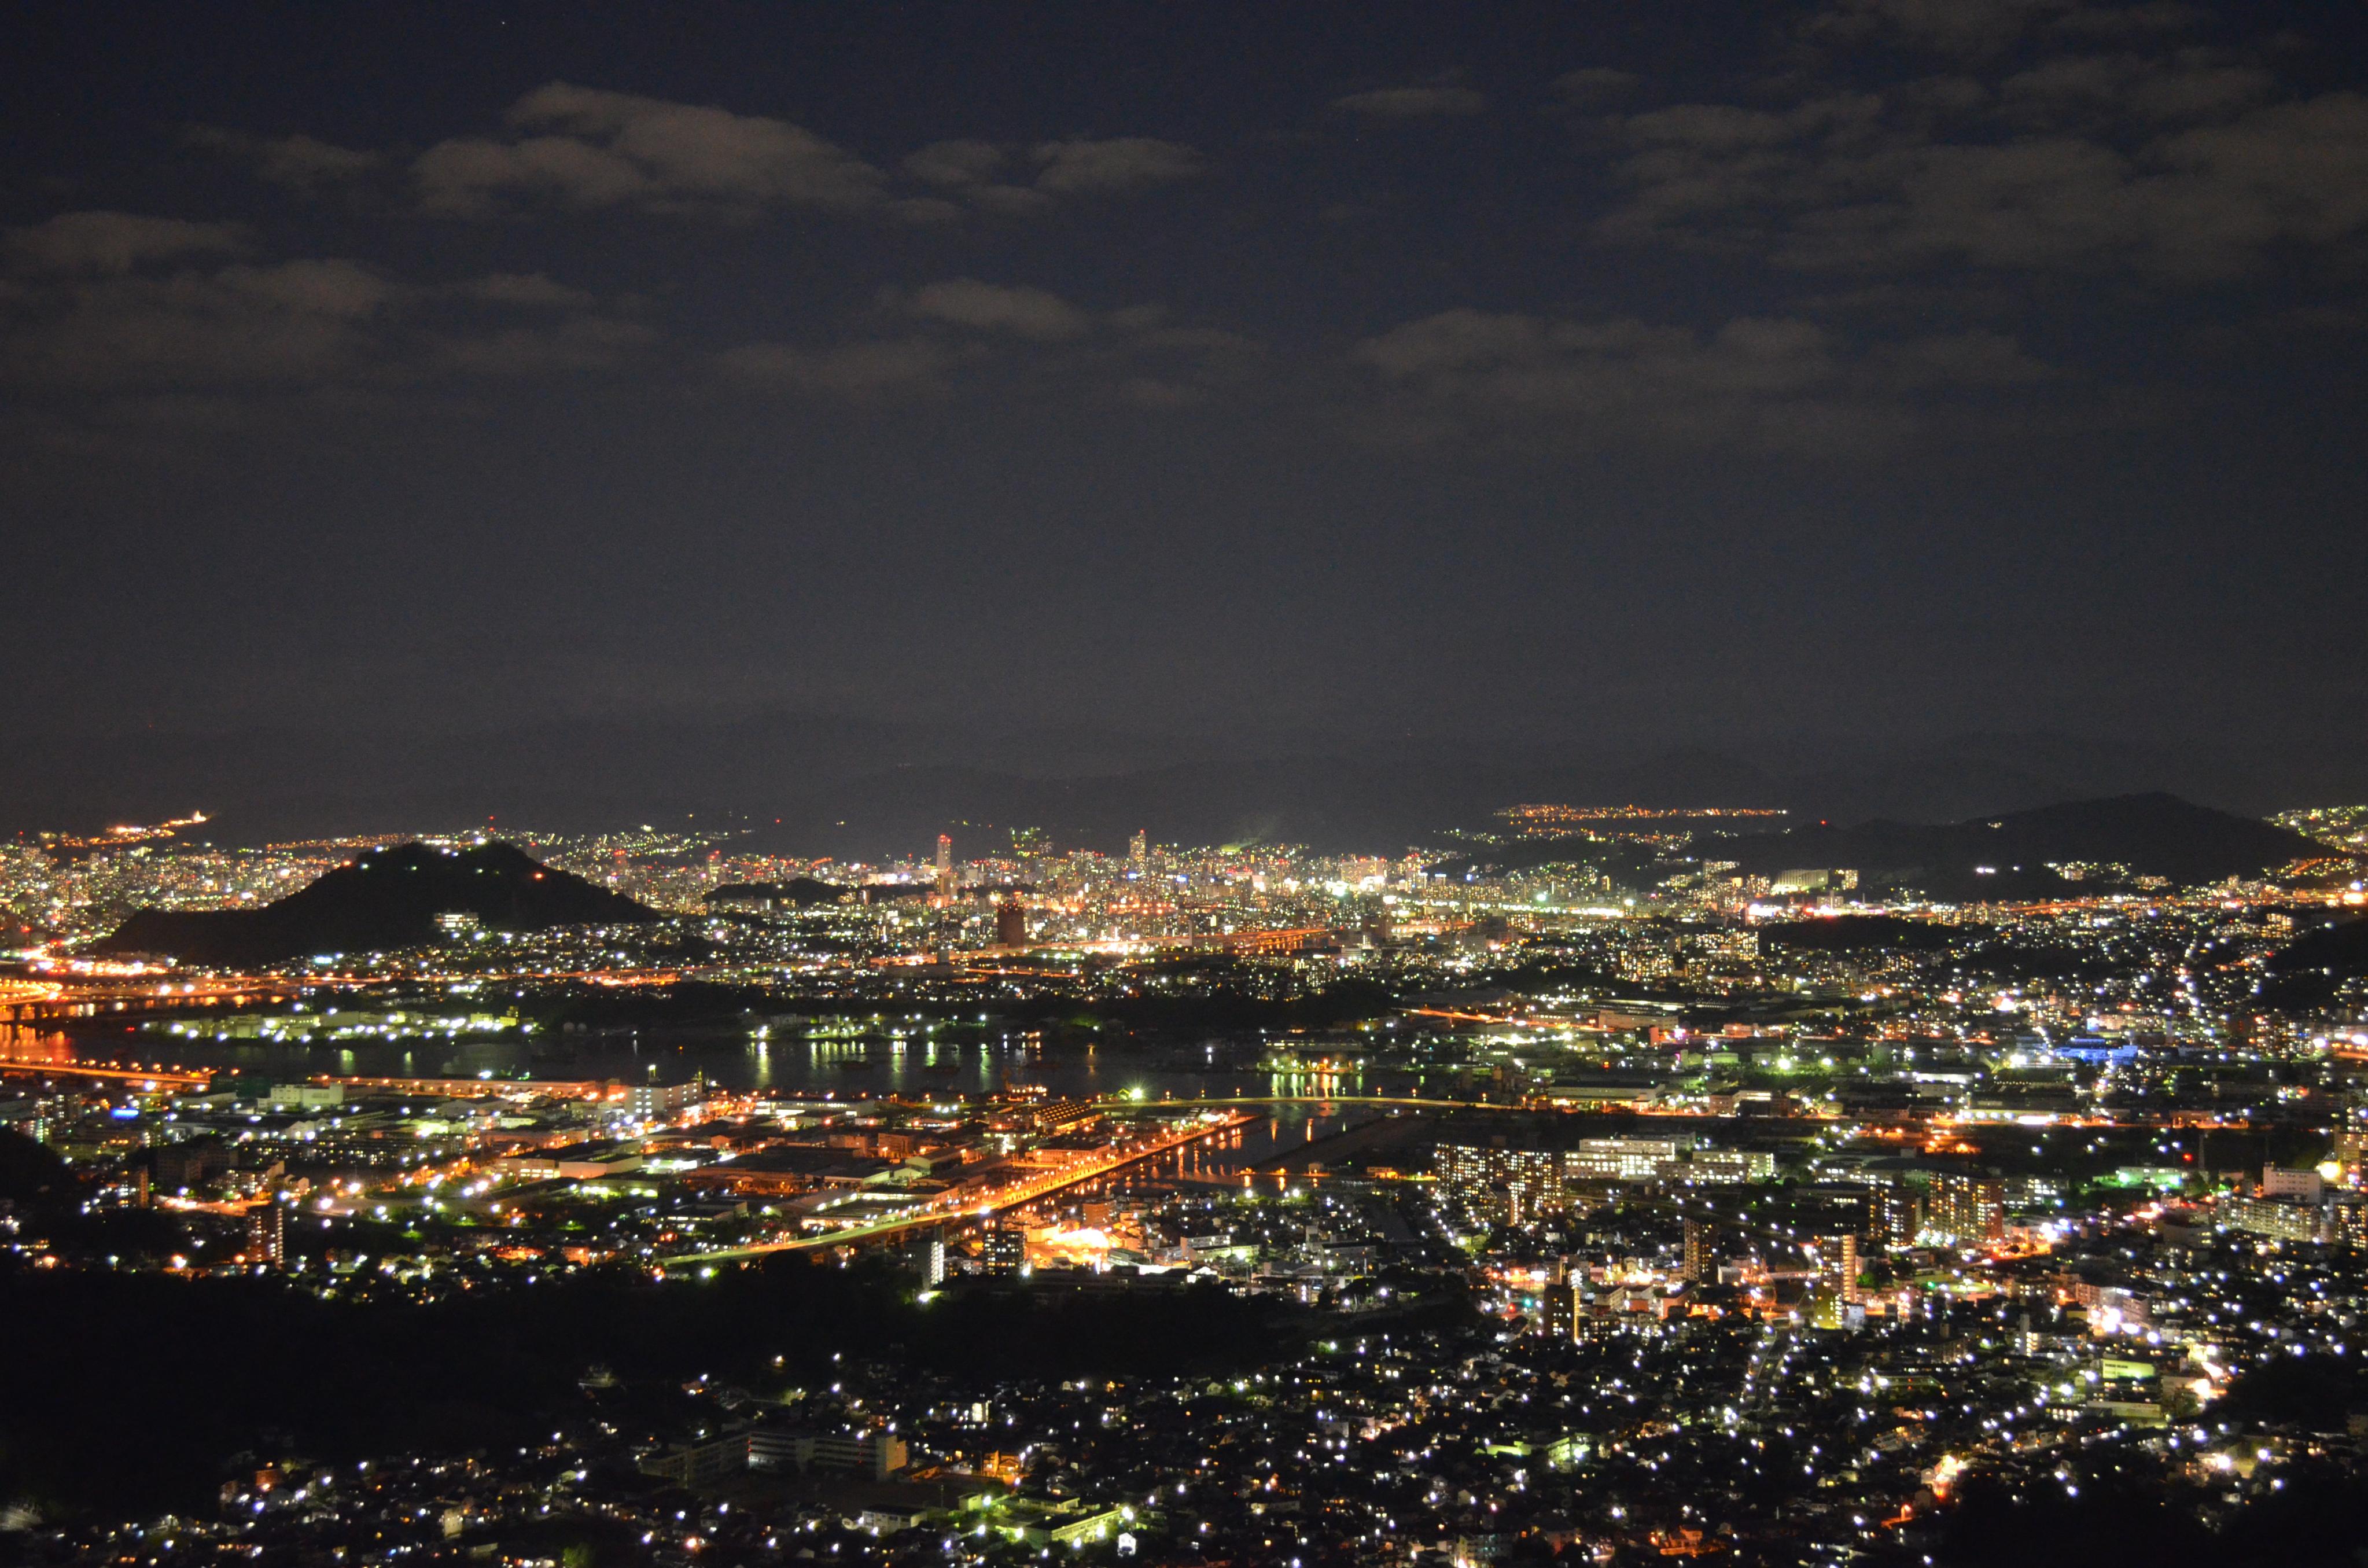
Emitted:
<point x="1673" y="373"/>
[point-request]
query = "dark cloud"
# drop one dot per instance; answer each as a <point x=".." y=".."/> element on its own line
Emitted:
<point x="2104" y="90"/>
<point x="1009" y="200"/>
<point x="299" y="161"/>
<point x="958" y="162"/>
<point x="970" y="169"/>
<point x="580" y="344"/>
<point x="587" y="147"/>
<point x="1412" y="103"/>
<point x="879" y="371"/>
<point x="925" y="211"/>
<point x="2204" y="203"/>
<point x="993" y="307"/>
<point x="532" y="289"/>
<point x="979" y="339"/>
<point x="121" y="307"/>
<point x="1595" y="85"/>
<point x="1772" y="385"/>
<point x="1150" y="392"/>
<point x="283" y="324"/>
<point x="1981" y="28"/>
<point x="1836" y="306"/>
<point x="113" y="242"/>
<point x="2170" y="168"/>
<point x="1086" y="166"/>
<point x="975" y="170"/>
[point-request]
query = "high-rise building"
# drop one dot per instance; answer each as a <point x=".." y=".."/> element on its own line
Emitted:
<point x="1010" y="925"/>
<point x="1004" y="1253"/>
<point x="1837" y="1265"/>
<point x="1506" y="1186"/>
<point x="1965" y="1209"/>
<point x="1558" y="1312"/>
<point x="1890" y="1218"/>
<point x="180" y="1165"/>
<point x="945" y="867"/>
<point x="2307" y="1185"/>
<point x="1138" y="849"/>
<point x="267" y="1233"/>
<point x="1700" y="1265"/>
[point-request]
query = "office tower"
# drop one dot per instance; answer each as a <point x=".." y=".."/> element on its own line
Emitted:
<point x="945" y="868"/>
<point x="1010" y="925"/>
<point x="1138" y="849"/>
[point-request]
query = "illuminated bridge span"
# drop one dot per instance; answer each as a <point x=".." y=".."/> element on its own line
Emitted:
<point x="1122" y="1103"/>
<point x="61" y="1004"/>
<point x="159" y="1078"/>
<point x="473" y="1088"/>
<point x="57" y="1002"/>
<point x="967" y="1212"/>
<point x="1296" y="941"/>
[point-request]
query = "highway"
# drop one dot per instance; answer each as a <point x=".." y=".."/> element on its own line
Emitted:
<point x="1016" y="1197"/>
<point x="143" y="1077"/>
<point x="24" y="1054"/>
<point x="1117" y="1102"/>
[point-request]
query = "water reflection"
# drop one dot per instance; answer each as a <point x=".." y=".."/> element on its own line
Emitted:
<point x="844" y="1065"/>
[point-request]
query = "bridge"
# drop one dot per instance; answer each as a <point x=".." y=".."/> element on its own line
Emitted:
<point x="1004" y="1199"/>
<point x="154" y="1078"/>
<point x="1122" y="1102"/>
<point x="82" y="1006"/>
<point x="1028" y="1192"/>
<point x="25" y="1055"/>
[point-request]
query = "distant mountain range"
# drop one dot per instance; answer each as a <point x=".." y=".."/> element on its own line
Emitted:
<point x="2012" y="855"/>
<point x="389" y="898"/>
<point x="384" y="900"/>
<point x="808" y="784"/>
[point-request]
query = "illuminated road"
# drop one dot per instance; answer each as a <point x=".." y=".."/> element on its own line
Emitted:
<point x="25" y="1052"/>
<point x="147" y="1078"/>
<point x="1005" y="1198"/>
<point x="1121" y="1102"/>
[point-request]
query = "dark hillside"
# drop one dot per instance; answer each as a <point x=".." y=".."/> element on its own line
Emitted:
<point x="384" y="900"/>
<point x="2150" y="835"/>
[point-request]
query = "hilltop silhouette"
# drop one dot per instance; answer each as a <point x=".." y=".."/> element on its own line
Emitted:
<point x="379" y="901"/>
<point x="2014" y="854"/>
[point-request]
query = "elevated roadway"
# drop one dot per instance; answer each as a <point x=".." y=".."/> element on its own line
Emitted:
<point x="157" y="1079"/>
<point x="1120" y="1102"/>
<point x="969" y="1210"/>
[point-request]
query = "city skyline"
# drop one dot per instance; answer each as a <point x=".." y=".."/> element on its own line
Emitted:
<point x="932" y="785"/>
<point x="1584" y="1188"/>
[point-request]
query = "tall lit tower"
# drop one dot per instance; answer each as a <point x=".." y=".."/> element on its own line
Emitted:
<point x="945" y="868"/>
<point x="267" y="1233"/>
<point x="1138" y="849"/>
<point x="1700" y="1265"/>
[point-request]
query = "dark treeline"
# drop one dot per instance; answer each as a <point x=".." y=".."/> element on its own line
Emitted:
<point x="2134" y="1508"/>
<point x="134" y="1392"/>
